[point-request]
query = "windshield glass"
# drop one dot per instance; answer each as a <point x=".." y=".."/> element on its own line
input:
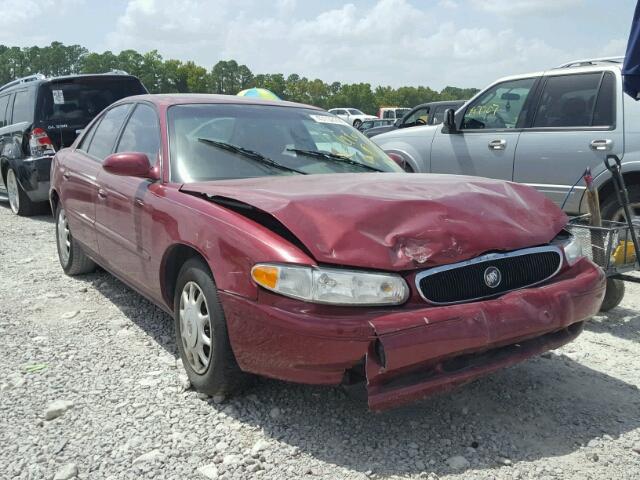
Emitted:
<point x="220" y="141"/>
<point x="74" y="102"/>
<point x="355" y="111"/>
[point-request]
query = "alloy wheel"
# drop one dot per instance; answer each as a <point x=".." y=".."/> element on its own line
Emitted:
<point x="64" y="237"/>
<point x="195" y="327"/>
<point x="12" y="191"/>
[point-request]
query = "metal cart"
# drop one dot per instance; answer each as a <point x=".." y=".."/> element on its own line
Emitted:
<point x="613" y="245"/>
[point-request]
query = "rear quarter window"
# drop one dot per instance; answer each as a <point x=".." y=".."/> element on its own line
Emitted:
<point x="22" y="107"/>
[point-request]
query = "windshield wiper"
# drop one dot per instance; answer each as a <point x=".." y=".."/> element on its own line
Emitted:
<point x="333" y="157"/>
<point x="250" y="154"/>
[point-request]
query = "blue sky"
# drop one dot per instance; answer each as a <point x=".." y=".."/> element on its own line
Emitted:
<point x="384" y="42"/>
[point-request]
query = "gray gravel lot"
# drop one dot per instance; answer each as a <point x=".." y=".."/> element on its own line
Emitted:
<point x="89" y="388"/>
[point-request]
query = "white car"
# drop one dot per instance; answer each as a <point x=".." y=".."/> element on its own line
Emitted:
<point x="352" y="116"/>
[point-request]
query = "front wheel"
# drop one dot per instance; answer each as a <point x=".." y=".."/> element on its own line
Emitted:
<point x="19" y="201"/>
<point x="357" y="123"/>
<point x="72" y="258"/>
<point x="201" y="333"/>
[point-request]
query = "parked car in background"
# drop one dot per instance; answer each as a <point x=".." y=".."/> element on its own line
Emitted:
<point x="431" y="113"/>
<point x="39" y="116"/>
<point x="352" y="116"/>
<point x="229" y="213"/>
<point x="393" y="113"/>
<point x="368" y="124"/>
<point x="542" y="129"/>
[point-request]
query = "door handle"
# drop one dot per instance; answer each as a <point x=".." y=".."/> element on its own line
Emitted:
<point x="102" y="193"/>
<point x="497" y="144"/>
<point x="601" y="145"/>
<point x="138" y="202"/>
<point x="66" y="175"/>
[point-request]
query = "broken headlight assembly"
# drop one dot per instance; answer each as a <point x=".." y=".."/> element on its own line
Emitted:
<point x="331" y="285"/>
<point x="570" y="245"/>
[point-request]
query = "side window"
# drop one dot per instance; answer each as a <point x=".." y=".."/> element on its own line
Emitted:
<point x="499" y="107"/>
<point x="569" y="101"/>
<point x="419" y="114"/>
<point x="107" y="130"/>
<point x="604" y="113"/>
<point x="86" y="140"/>
<point x="4" y="102"/>
<point x="438" y="115"/>
<point x="142" y="133"/>
<point x="22" y="107"/>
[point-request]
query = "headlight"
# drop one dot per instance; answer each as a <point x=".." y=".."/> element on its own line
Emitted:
<point x="571" y="245"/>
<point x="331" y="285"/>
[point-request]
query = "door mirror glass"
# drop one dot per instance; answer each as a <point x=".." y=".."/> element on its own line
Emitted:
<point x="130" y="164"/>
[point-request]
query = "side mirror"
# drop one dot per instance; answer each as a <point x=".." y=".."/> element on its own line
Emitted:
<point x="449" y="123"/>
<point x="130" y="164"/>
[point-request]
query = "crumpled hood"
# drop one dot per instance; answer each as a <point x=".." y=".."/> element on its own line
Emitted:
<point x="397" y="221"/>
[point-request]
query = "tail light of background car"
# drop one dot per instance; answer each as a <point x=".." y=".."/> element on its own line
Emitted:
<point x="40" y="144"/>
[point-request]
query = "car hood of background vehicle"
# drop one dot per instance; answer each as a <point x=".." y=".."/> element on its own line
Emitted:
<point x="397" y="221"/>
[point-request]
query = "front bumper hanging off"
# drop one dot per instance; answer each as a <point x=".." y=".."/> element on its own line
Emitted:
<point x="410" y="354"/>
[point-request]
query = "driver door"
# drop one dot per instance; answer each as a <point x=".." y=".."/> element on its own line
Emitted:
<point x="488" y="133"/>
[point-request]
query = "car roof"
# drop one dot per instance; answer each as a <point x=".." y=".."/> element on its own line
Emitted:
<point x="169" y="99"/>
<point x="34" y="81"/>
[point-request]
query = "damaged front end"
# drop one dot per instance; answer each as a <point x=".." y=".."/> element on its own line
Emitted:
<point x="418" y="283"/>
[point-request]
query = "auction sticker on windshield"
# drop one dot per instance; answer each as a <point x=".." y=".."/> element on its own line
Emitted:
<point x="328" y="119"/>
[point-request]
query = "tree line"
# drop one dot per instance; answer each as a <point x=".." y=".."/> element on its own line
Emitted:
<point x="226" y="77"/>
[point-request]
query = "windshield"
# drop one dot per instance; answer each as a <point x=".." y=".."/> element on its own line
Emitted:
<point x="74" y="102"/>
<point x="355" y="111"/>
<point x="220" y="141"/>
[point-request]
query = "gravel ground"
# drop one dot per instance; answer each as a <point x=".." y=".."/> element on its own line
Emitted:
<point x="90" y="388"/>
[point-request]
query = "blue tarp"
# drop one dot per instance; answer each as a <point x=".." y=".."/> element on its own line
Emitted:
<point x="631" y="66"/>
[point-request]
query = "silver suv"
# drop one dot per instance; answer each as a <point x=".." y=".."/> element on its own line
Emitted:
<point x="542" y="129"/>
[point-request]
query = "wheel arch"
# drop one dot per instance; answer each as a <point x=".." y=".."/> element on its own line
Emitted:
<point x="607" y="189"/>
<point x="54" y="200"/>
<point x="172" y="261"/>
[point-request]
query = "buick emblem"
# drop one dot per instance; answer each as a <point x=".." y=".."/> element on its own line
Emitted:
<point x="492" y="277"/>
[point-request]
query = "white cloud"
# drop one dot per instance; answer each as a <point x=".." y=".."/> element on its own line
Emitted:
<point x="523" y="7"/>
<point x="386" y="42"/>
<point x="26" y="22"/>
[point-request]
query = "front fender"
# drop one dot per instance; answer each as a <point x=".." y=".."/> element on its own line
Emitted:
<point x="408" y="152"/>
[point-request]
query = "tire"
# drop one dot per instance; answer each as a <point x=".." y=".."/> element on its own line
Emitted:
<point x="613" y="294"/>
<point x="219" y="374"/>
<point x="72" y="258"/>
<point x="611" y="209"/>
<point x="19" y="201"/>
<point x="357" y="123"/>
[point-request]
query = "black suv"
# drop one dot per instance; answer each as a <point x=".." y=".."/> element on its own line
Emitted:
<point x="39" y="116"/>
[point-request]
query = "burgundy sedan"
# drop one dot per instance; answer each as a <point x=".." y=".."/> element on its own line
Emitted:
<point x="286" y="244"/>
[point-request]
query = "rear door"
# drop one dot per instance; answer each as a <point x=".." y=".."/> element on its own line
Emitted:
<point x="120" y="212"/>
<point x="577" y="122"/>
<point x="80" y="175"/>
<point x="65" y="106"/>
<point x="489" y="131"/>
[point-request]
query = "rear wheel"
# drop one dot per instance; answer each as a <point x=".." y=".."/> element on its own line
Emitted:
<point x="72" y="258"/>
<point x="357" y="123"/>
<point x="19" y="201"/>
<point x="201" y="333"/>
<point x="612" y="210"/>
